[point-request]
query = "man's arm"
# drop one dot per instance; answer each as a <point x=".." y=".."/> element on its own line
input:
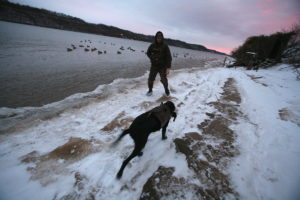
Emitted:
<point x="149" y="51"/>
<point x="168" y="57"/>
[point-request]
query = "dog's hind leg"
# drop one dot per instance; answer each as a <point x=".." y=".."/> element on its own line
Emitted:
<point x="140" y="154"/>
<point x="133" y="154"/>
<point x="136" y="152"/>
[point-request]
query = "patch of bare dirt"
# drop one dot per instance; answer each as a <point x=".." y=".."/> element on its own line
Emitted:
<point x="218" y="128"/>
<point x="210" y="170"/>
<point x="189" y="94"/>
<point x="118" y="122"/>
<point x="288" y="115"/>
<point x="172" y="90"/>
<point x="82" y="190"/>
<point x="180" y="104"/>
<point x="255" y="79"/>
<point x="80" y="193"/>
<point x="165" y="98"/>
<point x="208" y="154"/>
<point x="162" y="185"/>
<point x="188" y="85"/>
<point x="49" y="165"/>
<point x="284" y="114"/>
<point x="146" y="104"/>
<point x="75" y="148"/>
<point x="230" y="92"/>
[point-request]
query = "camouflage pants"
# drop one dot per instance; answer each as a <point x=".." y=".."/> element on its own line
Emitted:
<point x="152" y="76"/>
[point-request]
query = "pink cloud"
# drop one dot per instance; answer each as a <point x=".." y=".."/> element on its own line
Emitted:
<point x="266" y="7"/>
<point x="220" y="49"/>
<point x="275" y="24"/>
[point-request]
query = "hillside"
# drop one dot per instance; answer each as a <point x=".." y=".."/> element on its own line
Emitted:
<point x="40" y="17"/>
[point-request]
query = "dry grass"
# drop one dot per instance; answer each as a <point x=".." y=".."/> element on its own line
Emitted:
<point x="118" y="122"/>
<point x="56" y="161"/>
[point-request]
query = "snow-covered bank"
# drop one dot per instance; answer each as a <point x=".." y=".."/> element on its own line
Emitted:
<point x="67" y="154"/>
<point x="268" y="167"/>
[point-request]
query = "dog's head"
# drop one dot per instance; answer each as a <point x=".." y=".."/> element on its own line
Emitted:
<point x="172" y="107"/>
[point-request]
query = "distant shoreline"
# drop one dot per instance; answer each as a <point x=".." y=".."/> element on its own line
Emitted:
<point x="11" y="12"/>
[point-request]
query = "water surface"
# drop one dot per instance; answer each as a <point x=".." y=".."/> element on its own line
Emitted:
<point x="36" y="68"/>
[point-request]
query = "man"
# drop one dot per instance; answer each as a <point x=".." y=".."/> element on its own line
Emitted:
<point x="160" y="57"/>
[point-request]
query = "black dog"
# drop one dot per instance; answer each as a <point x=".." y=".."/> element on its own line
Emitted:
<point x="145" y="124"/>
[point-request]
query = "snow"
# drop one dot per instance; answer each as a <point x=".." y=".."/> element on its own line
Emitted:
<point x="266" y="168"/>
<point x="269" y="162"/>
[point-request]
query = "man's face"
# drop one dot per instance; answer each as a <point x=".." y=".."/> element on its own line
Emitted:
<point x="159" y="39"/>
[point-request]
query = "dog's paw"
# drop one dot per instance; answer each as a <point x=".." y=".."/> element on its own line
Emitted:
<point x="119" y="175"/>
<point x="140" y="154"/>
<point x="164" y="137"/>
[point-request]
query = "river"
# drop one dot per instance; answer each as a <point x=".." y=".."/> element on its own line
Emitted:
<point x="36" y="67"/>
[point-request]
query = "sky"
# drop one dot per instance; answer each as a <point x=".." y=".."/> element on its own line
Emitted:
<point x="221" y="25"/>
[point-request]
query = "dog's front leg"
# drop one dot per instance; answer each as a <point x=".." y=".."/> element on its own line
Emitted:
<point x="164" y="129"/>
<point x="174" y="115"/>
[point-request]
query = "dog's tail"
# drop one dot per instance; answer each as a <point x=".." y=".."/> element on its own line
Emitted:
<point x="120" y="137"/>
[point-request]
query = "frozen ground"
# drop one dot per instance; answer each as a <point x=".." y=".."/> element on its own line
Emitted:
<point x="236" y="137"/>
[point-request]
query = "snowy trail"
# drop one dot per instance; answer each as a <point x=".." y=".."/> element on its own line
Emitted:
<point x="68" y="156"/>
<point x="269" y="140"/>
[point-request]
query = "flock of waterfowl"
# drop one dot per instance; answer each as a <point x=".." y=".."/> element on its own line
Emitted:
<point x="87" y="46"/>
